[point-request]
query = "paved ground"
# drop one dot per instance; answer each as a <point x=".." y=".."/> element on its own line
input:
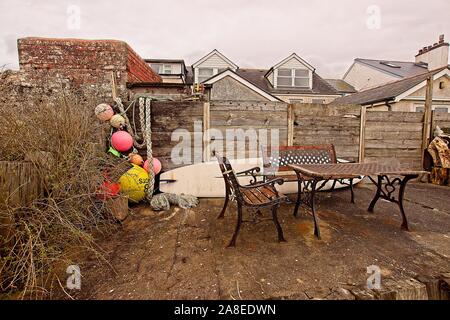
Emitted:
<point x="181" y="254"/>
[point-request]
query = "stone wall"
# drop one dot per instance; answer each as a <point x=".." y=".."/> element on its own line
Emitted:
<point x="230" y="89"/>
<point x="80" y="65"/>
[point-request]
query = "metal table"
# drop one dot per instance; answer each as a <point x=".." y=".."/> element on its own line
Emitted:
<point x="309" y="175"/>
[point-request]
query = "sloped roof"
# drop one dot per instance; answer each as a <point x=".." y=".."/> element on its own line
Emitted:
<point x="242" y="80"/>
<point x="341" y="85"/>
<point x="294" y="56"/>
<point x="385" y="92"/>
<point x="215" y="52"/>
<point x="403" y="69"/>
<point x="257" y="77"/>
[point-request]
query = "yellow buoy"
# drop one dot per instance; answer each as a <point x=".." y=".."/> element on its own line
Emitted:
<point x="134" y="183"/>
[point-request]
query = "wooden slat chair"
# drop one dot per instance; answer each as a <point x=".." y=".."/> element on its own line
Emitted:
<point x="276" y="161"/>
<point x="255" y="196"/>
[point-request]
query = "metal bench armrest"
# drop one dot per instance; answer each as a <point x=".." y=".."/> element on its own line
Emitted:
<point x="271" y="182"/>
<point x="251" y="172"/>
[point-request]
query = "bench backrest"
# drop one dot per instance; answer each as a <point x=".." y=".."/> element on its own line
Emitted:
<point x="229" y="177"/>
<point x="278" y="158"/>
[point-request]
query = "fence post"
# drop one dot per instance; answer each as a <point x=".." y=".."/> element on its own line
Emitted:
<point x="362" y="134"/>
<point x="206" y="137"/>
<point x="426" y="131"/>
<point x="290" y="125"/>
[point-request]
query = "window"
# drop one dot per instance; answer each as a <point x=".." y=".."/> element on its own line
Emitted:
<point x="284" y="78"/>
<point x="293" y="78"/>
<point x="204" y="74"/>
<point x="161" y="68"/>
<point x="156" y="67"/>
<point x="420" y="109"/>
<point x="301" y="78"/>
<point x="166" y="69"/>
<point x="318" y="101"/>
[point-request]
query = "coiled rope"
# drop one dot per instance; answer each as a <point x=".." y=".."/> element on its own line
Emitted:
<point x="146" y="130"/>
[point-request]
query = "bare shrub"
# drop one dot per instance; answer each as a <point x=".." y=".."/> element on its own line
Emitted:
<point x="61" y="136"/>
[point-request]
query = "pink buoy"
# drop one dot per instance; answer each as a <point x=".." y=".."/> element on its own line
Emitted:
<point x="157" y="166"/>
<point x="104" y="112"/>
<point x="122" y="141"/>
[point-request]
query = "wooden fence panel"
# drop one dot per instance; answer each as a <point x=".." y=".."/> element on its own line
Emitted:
<point x="386" y="135"/>
<point x="243" y="119"/>
<point x="20" y="183"/>
<point x="168" y="116"/>
<point x="318" y="124"/>
<point x="394" y="136"/>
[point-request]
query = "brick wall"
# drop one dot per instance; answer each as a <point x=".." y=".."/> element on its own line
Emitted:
<point x="82" y="64"/>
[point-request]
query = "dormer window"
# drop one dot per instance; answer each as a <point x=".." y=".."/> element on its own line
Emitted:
<point x="166" y="69"/>
<point x="210" y="65"/>
<point x="291" y="72"/>
<point x="293" y="78"/>
<point x="162" y="68"/>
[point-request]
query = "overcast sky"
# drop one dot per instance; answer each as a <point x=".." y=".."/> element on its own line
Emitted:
<point x="252" y="33"/>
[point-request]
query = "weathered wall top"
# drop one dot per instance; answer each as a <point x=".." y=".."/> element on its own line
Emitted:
<point x="83" y="64"/>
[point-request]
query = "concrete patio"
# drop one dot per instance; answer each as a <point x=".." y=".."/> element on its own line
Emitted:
<point x="181" y="254"/>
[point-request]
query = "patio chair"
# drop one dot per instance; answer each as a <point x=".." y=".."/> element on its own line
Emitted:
<point x="255" y="196"/>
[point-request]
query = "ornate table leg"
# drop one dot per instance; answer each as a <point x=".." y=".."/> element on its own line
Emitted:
<point x="307" y="197"/>
<point x="401" y="193"/>
<point x="299" y="193"/>
<point x="350" y="184"/>
<point x="377" y="194"/>
<point x="386" y="192"/>
<point x="312" y="206"/>
<point x="352" y="192"/>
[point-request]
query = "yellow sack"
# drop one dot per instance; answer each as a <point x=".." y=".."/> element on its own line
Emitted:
<point x="134" y="183"/>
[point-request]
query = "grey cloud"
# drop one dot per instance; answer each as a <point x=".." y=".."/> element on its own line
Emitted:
<point x="328" y="34"/>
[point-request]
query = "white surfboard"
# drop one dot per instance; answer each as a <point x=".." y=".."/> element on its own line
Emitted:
<point x="204" y="180"/>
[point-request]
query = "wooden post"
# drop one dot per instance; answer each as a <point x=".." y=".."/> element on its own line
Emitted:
<point x="206" y="137"/>
<point x="362" y="134"/>
<point x="426" y="131"/>
<point x="290" y="125"/>
<point x="20" y="183"/>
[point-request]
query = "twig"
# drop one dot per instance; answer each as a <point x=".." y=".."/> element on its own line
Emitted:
<point x="238" y="291"/>
<point x="62" y="287"/>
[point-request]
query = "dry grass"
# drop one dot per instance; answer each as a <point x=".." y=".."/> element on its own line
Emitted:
<point x="63" y="139"/>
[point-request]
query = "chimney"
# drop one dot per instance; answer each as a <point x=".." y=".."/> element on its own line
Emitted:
<point x="436" y="55"/>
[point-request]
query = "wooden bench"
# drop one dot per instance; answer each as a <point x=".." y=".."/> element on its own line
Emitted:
<point x="276" y="161"/>
<point x="255" y="196"/>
